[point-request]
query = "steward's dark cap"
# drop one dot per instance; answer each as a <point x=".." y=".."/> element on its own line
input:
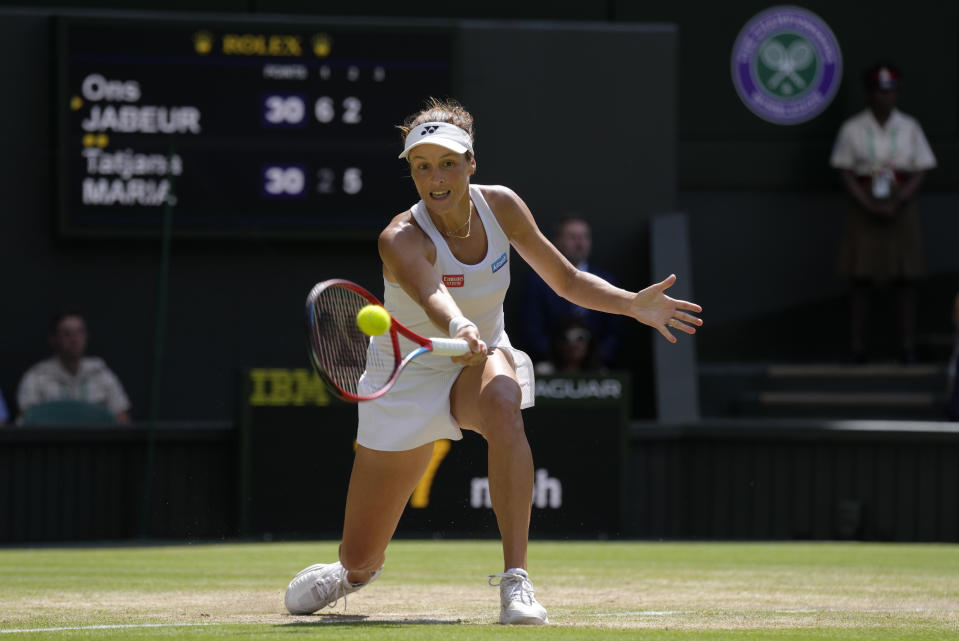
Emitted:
<point x="882" y="76"/>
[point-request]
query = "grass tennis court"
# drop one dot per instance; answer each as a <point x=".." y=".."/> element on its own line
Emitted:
<point x="437" y="590"/>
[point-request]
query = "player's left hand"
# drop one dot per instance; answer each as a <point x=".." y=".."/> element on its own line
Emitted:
<point x="653" y="307"/>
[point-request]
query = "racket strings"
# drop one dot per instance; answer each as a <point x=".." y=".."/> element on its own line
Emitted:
<point x="348" y="357"/>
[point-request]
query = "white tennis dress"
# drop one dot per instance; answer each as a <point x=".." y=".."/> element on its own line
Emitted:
<point x="416" y="410"/>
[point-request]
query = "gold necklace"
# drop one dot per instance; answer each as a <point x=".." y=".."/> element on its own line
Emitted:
<point x="468" y="224"/>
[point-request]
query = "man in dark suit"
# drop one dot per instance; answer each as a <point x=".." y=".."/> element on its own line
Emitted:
<point x="545" y="314"/>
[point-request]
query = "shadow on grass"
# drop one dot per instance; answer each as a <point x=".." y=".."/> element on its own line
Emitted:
<point x="354" y="619"/>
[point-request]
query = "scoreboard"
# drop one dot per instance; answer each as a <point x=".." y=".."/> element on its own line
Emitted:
<point x="236" y="128"/>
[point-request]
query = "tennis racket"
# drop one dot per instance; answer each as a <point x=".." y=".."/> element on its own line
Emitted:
<point x="352" y="366"/>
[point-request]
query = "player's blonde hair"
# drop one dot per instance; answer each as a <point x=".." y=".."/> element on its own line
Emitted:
<point x="436" y="110"/>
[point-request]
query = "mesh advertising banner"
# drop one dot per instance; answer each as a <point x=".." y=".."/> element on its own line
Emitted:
<point x="297" y="445"/>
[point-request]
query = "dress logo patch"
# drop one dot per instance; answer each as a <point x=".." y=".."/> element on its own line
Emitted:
<point x="454" y="280"/>
<point x="499" y="262"/>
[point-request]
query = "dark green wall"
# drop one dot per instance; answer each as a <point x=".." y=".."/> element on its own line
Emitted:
<point x="765" y="209"/>
<point x="722" y="145"/>
<point x="235" y="304"/>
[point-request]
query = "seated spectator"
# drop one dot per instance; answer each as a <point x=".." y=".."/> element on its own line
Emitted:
<point x="545" y="313"/>
<point x="572" y="349"/>
<point x="70" y="375"/>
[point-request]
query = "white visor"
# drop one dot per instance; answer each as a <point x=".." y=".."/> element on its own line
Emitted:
<point x="438" y="133"/>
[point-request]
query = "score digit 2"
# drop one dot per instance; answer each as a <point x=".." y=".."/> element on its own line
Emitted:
<point x="352" y="181"/>
<point x="351" y="112"/>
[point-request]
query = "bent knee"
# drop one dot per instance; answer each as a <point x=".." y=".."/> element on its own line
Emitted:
<point x="502" y="397"/>
<point x="500" y="409"/>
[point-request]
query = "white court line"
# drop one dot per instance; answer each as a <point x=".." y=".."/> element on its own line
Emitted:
<point x="640" y="613"/>
<point x="858" y="611"/>
<point x="126" y="626"/>
<point x="666" y="613"/>
<point x="107" y="627"/>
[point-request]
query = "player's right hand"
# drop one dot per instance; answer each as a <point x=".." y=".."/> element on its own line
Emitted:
<point x="478" y="348"/>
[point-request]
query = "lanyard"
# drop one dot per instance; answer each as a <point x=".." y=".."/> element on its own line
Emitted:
<point x="871" y="140"/>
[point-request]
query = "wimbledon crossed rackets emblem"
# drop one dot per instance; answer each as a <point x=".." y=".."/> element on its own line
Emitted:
<point x="793" y="67"/>
<point x="786" y="65"/>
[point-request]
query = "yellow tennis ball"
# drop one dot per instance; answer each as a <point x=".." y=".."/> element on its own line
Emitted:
<point x="373" y="320"/>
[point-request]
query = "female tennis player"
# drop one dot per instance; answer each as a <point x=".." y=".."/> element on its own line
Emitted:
<point x="446" y="265"/>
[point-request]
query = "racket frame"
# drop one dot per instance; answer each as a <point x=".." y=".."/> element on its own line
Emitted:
<point x="451" y="347"/>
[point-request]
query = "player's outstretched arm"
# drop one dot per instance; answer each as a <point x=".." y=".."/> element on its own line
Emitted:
<point x="650" y="306"/>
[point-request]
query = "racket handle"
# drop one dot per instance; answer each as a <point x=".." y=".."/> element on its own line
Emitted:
<point x="450" y="346"/>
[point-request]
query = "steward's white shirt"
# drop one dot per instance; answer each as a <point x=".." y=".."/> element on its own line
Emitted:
<point x="865" y="146"/>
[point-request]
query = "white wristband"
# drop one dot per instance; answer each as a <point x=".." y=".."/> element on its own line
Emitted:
<point x="457" y="323"/>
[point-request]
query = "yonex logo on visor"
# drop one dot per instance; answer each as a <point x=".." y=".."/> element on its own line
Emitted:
<point x="443" y="134"/>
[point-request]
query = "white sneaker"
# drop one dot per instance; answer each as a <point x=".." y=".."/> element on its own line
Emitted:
<point x="517" y="603"/>
<point x="320" y="585"/>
